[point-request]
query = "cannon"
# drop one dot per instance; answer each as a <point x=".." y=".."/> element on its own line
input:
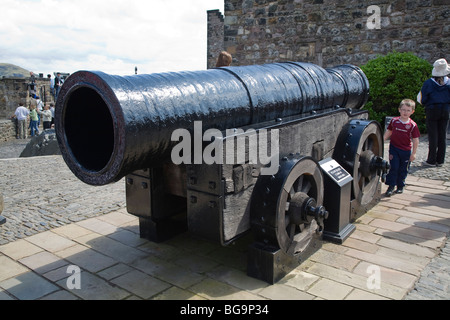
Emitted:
<point x="281" y="150"/>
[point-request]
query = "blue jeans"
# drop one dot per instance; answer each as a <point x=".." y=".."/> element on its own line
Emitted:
<point x="34" y="128"/>
<point x="399" y="160"/>
<point x="57" y="92"/>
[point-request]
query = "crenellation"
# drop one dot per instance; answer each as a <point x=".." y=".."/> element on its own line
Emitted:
<point x="12" y="92"/>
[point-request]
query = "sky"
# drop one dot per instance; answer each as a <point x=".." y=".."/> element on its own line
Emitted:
<point x="113" y="36"/>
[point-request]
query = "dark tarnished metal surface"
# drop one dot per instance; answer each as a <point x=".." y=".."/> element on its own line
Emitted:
<point x="108" y="126"/>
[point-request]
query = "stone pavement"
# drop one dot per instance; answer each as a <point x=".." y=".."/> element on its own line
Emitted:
<point x="58" y="225"/>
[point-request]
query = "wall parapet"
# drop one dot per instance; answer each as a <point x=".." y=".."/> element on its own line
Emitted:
<point x="329" y="33"/>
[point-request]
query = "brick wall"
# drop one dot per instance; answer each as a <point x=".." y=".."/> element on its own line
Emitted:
<point x="329" y="33"/>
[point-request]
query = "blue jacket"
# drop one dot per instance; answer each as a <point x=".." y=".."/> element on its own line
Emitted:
<point x="434" y="95"/>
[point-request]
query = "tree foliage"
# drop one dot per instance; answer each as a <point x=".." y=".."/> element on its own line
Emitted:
<point x="392" y="78"/>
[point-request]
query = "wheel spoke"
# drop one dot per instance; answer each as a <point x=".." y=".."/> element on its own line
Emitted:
<point x="306" y="187"/>
<point x="291" y="231"/>
<point x="292" y="191"/>
<point x="287" y="220"/>
<point x="362" y="181"/>
<point x="360" y="177"/>
<point x="298" y="184"/>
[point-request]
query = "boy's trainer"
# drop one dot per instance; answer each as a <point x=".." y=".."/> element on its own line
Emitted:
<point x="390" y="191"/>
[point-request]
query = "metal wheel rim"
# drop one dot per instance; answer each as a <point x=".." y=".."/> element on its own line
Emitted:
<point x="306" y="177"/>
<point x="364" y="187"/>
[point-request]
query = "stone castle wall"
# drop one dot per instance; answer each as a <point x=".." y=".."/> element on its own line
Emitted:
<point x="215" y="37"/>
<point x="329" y="33"/>
<point x="7" y="130"/>
<point x="12" y="92"/>
<point x="15" y="90"/>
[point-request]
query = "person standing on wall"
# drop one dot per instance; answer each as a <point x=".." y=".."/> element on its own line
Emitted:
<point x="435" y="97"/>
<point x="32" y="87"/>
<point x="58" y="84"/>
<point x="52" y="85"/>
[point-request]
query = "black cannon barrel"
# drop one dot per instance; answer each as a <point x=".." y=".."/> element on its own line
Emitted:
<point x="109" y="126"/>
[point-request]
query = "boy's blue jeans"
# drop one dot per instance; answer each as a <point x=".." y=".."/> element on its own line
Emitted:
<point x="34" y="128"/>
<point x="398" y="160"/>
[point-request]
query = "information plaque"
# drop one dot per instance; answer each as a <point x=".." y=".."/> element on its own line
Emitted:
<point x="335" y="171"/>
<point x="337" y="187"/>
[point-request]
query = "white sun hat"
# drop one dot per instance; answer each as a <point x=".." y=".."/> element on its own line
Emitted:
<point x="440" y="68"/>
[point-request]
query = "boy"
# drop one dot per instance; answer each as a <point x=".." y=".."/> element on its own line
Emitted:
<point x="402" y="130"/>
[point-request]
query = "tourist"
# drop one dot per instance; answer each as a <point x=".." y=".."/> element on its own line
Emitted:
<point x="39" y="108"/>
<point x="34" y="130"/>
<point x="21" y="115"/>
<point x="52" y="110"/>
<point x="46" y="117"/>
<point x="435" y="96"/>
<point x="32" y="87"/>
<point x="404" y="135"/>
<point x="58" y="84"/>
<point x="52" y="85"/>
<point x="224" y="59"/>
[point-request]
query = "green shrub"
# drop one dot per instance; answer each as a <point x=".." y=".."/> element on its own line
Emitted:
<point x="392" y="78"/>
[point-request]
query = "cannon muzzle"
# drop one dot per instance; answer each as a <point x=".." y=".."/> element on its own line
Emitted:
<point x="109" y="126"/>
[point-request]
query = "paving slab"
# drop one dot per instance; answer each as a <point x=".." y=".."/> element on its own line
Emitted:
<point x="10" y="268"/>
<point x="28" y="286"/>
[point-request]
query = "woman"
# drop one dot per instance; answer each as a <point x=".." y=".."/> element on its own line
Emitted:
<point x="46" y="117"/>
<point x="435" y="97"/>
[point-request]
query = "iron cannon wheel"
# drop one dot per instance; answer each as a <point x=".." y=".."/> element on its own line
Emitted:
<point x="359" y="143"/>
<point x="282" y="205"/>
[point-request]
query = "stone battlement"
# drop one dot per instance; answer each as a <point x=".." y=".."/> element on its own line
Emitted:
<point x="328" y="33"/>
<point x="15" y="90"/>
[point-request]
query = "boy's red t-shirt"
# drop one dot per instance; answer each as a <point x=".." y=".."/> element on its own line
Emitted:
<point x="402" y="133"/>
